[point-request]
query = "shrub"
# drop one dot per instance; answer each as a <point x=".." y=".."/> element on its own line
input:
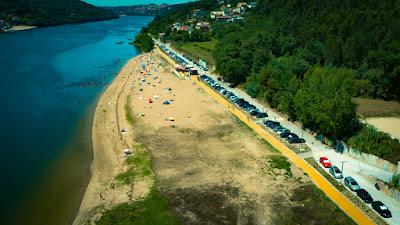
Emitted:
<point x="371" y="141"/>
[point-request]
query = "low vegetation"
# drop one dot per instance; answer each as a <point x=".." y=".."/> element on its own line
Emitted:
<point x="139" y="166"/>
<point x="394" y="182"/>
<point x="280" y="162"/>
<point x="129" y="114"/>
<point x="198" y="50"/>
<point x="152" y="210"/>
<point x="371" y="141"/>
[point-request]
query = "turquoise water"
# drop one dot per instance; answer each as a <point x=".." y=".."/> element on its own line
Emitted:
<point x="50" y="79"/>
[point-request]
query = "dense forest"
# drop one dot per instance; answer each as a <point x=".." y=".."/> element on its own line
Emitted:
<point x="309" y="59"/>
<point x="51" y="12"/>
<point x="360" y="35"/>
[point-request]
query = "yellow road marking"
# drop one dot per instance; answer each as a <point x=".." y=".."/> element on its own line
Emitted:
<point x="335" y="195"/>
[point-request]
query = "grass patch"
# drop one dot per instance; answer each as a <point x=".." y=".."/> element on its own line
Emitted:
<point x="198" y="50"/>
<point x="310" y="206"/>
<point x="280" y="162"/>
<point x="371" y="141"/>
<point x="153" y="210"/>
<point x="130" y="116"/>
<point x="139" y="166"/>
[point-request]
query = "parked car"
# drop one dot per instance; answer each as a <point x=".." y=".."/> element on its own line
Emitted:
<point x="285" y="134"/>
<point x="276" y="128"/>
<point x="351" y="183"/>
<point x="254" y="112"/>
<point x="382" y="209"/>
<point x="280" y="131"/>
<point x="336" y="173"/>
<point x="364" y="195"/>
<point x="262" y="115"/>
<point x="325" y="162"/>
<point x="271" y="124"/>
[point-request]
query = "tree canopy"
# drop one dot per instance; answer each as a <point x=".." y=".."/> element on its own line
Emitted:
<point x="144" y="42"/>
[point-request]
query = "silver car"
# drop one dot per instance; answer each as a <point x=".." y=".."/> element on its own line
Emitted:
<point x="351" y="183"/>
<point x="336" y="173"/>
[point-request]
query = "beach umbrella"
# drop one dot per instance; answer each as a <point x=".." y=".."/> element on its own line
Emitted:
<point x="166" y="102"/>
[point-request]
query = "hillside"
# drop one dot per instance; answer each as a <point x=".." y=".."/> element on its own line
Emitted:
<point x="50" y="12"/>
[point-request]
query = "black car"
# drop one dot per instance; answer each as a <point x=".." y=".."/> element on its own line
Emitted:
<point x="382" y="209"/>
<point x="364" y="195"/>
<point x="262" y="115"/>
<point x="271" y="124"/>
<point x="254" y="112"/>
<point x="285" y="133"/>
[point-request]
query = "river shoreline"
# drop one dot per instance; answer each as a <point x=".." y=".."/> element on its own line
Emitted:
<point x="107" y="149"/>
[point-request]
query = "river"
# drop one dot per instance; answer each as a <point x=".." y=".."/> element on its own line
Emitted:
<point x="50" y="81"/>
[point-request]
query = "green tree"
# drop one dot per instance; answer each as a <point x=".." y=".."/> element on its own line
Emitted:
<point x="394" y="182"/>
<point x="323" y="103"/>
<point x="235" y="71"/>
<point x="287" y="103"/>
<point x="144" y="42"/>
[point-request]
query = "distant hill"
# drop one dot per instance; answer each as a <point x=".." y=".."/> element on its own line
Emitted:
<point x="50" y="12"/>
<point x="145" y="10"/>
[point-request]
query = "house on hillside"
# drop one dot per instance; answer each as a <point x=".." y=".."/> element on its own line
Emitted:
<point x="202" y="26"/>
<point x="215" y="14"/>
<point x="179" y="27"/>
<point x="184" y="28"/>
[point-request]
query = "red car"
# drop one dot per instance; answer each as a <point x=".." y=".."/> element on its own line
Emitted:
<point x="325" y="162"/>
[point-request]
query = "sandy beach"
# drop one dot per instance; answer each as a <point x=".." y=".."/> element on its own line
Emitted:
<point x="108" y="145"/>
<point x="208" y="164"/>
<point x="20" y="28"/>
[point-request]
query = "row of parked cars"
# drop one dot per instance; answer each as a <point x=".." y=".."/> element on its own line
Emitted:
<point x="291" y="137"/>
<point x="352" y="184"/>
<point x="195" y="63"/>
<point x="245" y="105"/>
<point x="172" y="54"/>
